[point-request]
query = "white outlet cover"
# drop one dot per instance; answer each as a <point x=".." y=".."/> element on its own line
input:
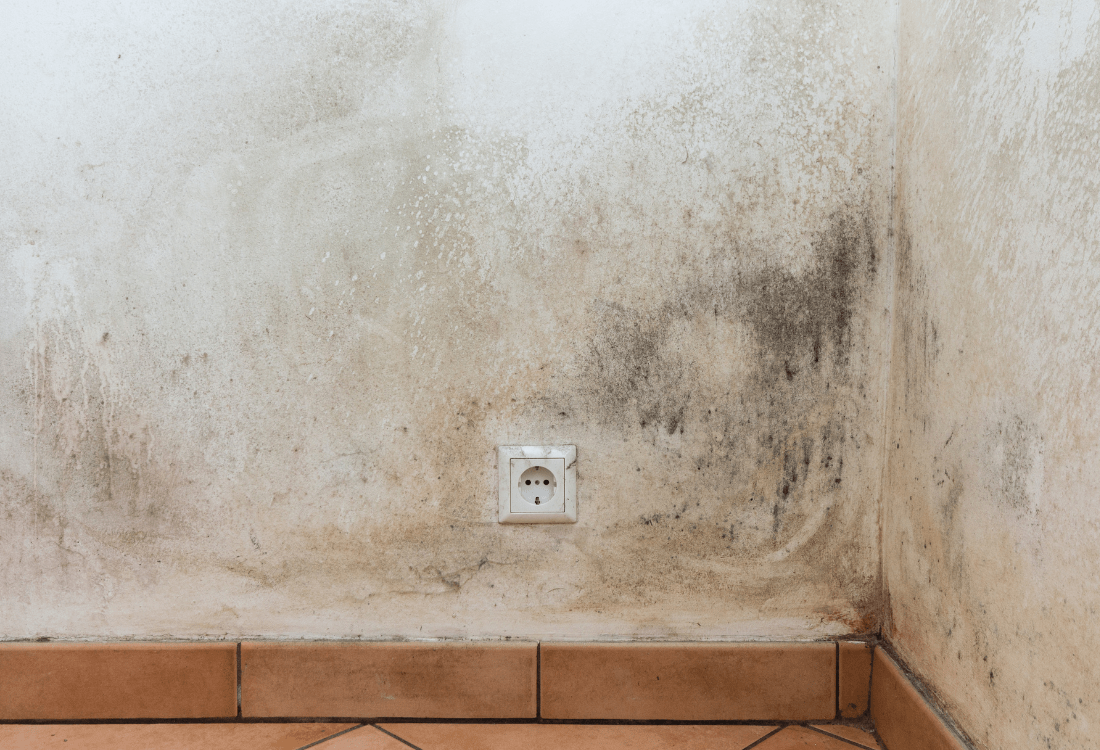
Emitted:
<point x="529" y="470"/>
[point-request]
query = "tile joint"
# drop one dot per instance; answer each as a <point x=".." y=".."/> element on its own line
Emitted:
<point x="399" y="739"/>
<point x="238" y="679"/>
<point x="332" y="736"/>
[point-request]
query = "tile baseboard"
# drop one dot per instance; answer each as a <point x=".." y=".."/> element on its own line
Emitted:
<point x="903" y="718"/>
<point x="854" y="677"/>
<point x="86" y="681"/>
<point x="624" y="682"/>
<point x="689" y="682"/>
<point x="407" y="680"/>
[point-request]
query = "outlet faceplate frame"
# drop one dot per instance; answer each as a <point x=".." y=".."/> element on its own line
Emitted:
<point x="561" y="460"/>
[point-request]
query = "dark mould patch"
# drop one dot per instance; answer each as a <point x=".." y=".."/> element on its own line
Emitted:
<point x="796" y="315"/>
<point x="1015" y="444"/>
<point x="769" y="445"/>
<point x="919" y="335"/>
<point x="630" y="367"/>
<point x="803" y="324"/>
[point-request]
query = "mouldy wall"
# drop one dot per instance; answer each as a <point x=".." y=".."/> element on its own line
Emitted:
<point x="992" y="523"/>
<point x="278" y="278"/>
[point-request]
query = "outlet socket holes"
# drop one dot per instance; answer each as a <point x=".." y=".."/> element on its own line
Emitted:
<point x="529" y="492"/>
<point x="538" y="485"/>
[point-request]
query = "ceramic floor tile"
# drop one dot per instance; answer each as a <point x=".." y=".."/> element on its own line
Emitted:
<point x="803" y="738"/>
<point x="363" y="738"/>
<point x="576" y="736"/>
<point x="166" y="736"/>
<point x="851" y="733"/>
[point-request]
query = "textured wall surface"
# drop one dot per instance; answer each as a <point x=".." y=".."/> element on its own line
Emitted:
<point x="277" y="278"/>
<point x="991" y="541"/>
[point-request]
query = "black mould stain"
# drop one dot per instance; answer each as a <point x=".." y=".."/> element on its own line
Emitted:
<point x="797" y="315"/>
<point x="629" y="365"/>
<point x="769" y="443"/>
<point x="919" y="336"/>
<point x="640" y="371"/>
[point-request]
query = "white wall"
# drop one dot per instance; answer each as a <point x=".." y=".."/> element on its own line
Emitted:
<point x="277" y="278"/>
<point x="991" y="542"/>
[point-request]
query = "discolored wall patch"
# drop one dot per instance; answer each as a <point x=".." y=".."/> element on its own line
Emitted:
<point x="263" y="332"/>
<point x="990" y="525"/>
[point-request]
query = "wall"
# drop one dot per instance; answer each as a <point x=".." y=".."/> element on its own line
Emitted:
<point x="278" y="278"/>
<point x="991" y="519"/>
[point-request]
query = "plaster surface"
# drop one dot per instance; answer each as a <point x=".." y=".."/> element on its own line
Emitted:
<point x="278" y="278"/>
<point x="991" y="519"/>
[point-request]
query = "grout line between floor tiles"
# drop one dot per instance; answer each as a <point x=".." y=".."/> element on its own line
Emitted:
<point x="538" y="680"/>
<point x="838" y="737"/>
<point x="332" y="736"/>
<point x="746" y="747"/>
<point x="238" y="679"/>
<point x="399" y="739"/>
<point x="769" y="735"/>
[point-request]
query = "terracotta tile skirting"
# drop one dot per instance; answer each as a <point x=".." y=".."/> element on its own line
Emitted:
<point x="59" y="681"/>
<point x="406" y="680"/>
<point x="902" y="717"/>
<point x="854" y="677"/>
<point x="689" y="682"/>
<point x="768" y="683"/>
<point x="175" y="736"/>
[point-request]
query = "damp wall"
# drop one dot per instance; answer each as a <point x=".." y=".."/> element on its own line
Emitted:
<point x="991" y="543"/>
<point x="277" y="279"/>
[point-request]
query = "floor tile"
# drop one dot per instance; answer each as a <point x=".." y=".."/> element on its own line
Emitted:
<point x="854" y="672"/>
<point x="689" y="682"/>
<point x="363" y="738"/>
<point x="166" y="736"/>
<point x="577" y="736"/>
<point x="56" y="681"/>
<point x="803" y="738"/>
<point x="851" y="733"/>
<point x="421" y="680"/>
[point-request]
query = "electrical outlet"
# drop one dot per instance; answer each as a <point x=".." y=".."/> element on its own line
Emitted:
<point x="538" y="484"/>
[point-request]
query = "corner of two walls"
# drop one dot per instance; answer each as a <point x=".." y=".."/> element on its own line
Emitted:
<point x="991" y="522"/>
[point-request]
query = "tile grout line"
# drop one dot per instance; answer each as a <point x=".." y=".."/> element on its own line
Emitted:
<point x="399" y="739"/>
<point x="332" y="736"/>
<point x="838" y="737"/>
<point x="238" y="679"/>
<point x="770" y="734"/>
<point x="538" y="680"/>
<point x="751" y="745"/>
